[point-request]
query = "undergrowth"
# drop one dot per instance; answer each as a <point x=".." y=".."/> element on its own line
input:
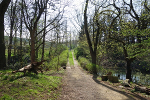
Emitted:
<point x="57" y="61"/>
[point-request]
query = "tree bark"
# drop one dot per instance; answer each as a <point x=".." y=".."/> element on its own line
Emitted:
<point x="44" y="35"/>
<point x="94" y="70"/>
<point x="2" y="43"/>
<point x="3" y="7"/>
<point x="129" y="71"/>
<point x="32" y="46"/>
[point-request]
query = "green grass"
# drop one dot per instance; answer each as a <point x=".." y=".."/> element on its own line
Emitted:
<point x="71" y="62"/>
<point x="18" y="87"/>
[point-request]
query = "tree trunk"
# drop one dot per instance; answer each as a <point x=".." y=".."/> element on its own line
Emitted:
<point x="32" y="46"/>
<point x="15" y="41"/>
<point x="44" y="37"/>
<point x="94" y="70"/>
<point x="3" y="7"/>
<point x="21" y="37"/>
<point x="2" y="43"/>
<point x="92" y="51"/>
<point x="10" y="42"/>
<point x="129" y="71"/>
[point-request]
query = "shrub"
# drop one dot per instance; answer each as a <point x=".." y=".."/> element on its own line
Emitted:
<point x="83" y="62"/>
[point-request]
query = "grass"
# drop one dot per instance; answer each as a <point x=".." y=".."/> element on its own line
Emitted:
<point x="19" y="87"/>
<point x="71" y="62"/>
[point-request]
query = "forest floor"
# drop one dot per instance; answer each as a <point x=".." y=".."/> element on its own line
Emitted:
<point x="79" y="85"/>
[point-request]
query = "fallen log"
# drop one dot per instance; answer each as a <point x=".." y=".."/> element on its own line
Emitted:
<point x="142" y="89"/>
<point x="33" y="67"/>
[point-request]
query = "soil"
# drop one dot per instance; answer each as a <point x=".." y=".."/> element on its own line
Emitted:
<point x="79" y="85"/>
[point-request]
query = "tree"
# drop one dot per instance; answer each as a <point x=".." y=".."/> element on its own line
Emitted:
<point x="31" y="22"/>
<point x="95" y="34"/>
<point x="130" y="31"/>
<point x="32" y="15"/>
<point x="3" y="7"/>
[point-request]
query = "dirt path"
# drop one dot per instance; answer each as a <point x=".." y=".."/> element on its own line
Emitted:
<point x="78" y="85"/>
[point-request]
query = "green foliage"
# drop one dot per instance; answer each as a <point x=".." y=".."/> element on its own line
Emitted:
<point x="83" y="62"/>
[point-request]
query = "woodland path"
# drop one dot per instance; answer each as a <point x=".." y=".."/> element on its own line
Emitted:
<point x="78" y="85"/>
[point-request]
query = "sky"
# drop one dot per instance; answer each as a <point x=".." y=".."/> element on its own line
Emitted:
<point x="75" y="7"/>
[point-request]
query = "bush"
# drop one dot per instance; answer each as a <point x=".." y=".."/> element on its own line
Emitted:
<point x="83" y="62"/>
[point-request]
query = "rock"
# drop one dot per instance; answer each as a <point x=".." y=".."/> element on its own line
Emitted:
<point x="113" y="79"/>
<point x="104" y="78"/>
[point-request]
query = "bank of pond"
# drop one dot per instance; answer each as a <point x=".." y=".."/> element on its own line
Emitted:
<point x="137" y="77"/>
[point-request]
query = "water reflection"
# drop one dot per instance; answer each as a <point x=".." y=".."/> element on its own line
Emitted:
<point x="137" y="77"/>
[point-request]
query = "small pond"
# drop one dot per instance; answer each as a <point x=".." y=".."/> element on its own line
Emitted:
<point x="137" y="77"/>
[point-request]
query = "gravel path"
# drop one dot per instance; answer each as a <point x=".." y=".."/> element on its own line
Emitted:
<point x="78" y="85"/>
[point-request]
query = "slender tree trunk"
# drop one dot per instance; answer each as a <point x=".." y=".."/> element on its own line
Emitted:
<point x="15" y="41"/>
<point x="21" y="37"/>
<point x="10" y="43"/>
<point x="44" y="37"/>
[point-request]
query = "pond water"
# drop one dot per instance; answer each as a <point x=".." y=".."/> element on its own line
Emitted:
<point x="137" y="77"/>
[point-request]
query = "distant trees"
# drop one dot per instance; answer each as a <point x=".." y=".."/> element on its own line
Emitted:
<point x="3" y="7"/>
